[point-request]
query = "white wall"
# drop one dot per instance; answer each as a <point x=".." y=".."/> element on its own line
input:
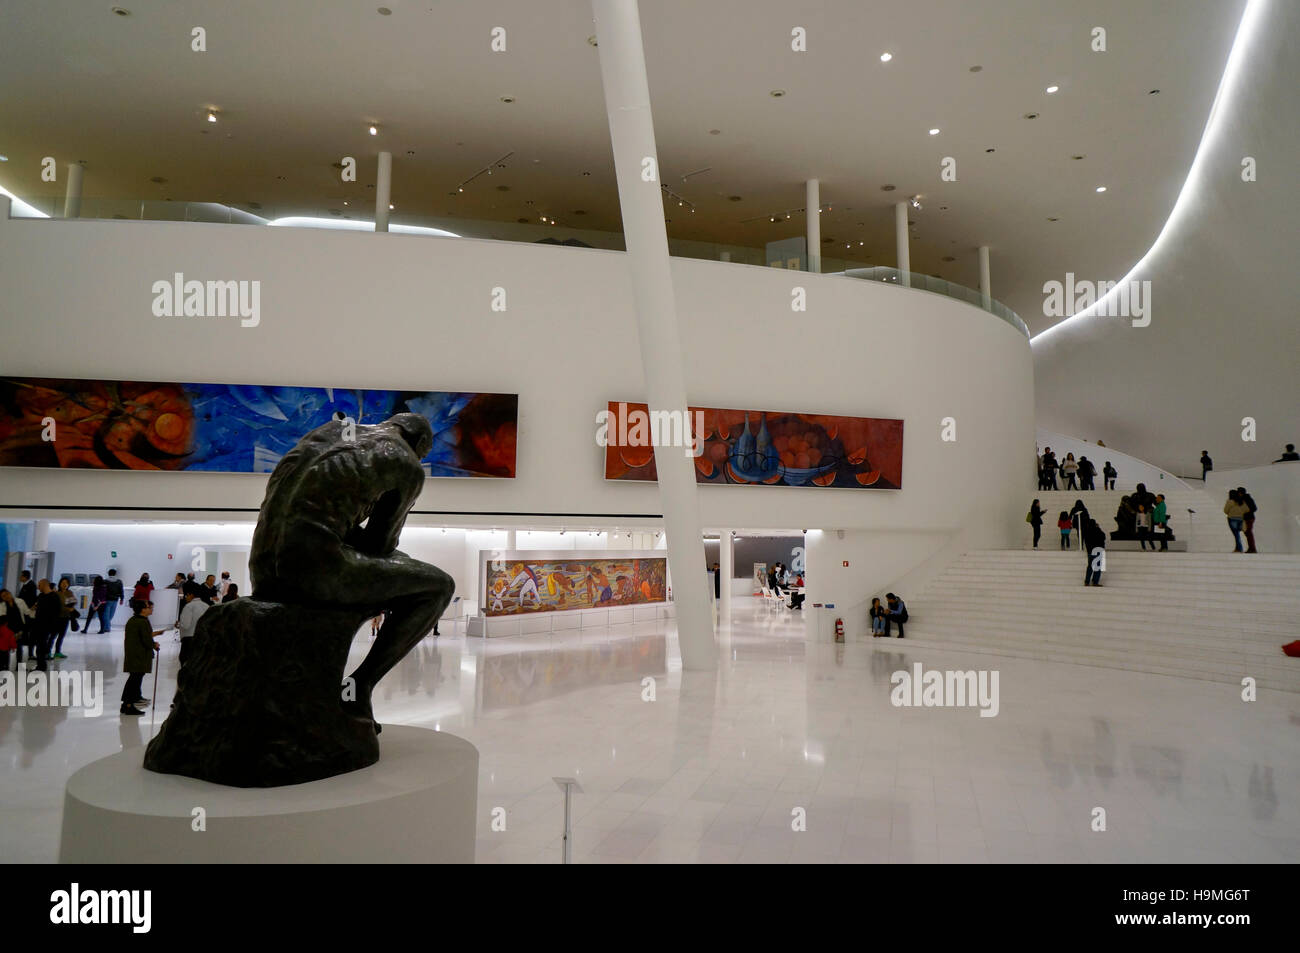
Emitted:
<point x="387" y="310"/>
<point x="1223" y="337"/>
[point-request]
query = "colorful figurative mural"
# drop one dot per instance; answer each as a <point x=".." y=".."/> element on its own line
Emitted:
<point x="232" y="428"/>
<point x="760" y="447"/>
<point x="517" y="583"/>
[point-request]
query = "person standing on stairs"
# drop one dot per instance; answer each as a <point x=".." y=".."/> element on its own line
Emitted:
<point x="1248" y="521"/>
<point x="1078" y="516"/>
<point x="1160" y="521"/>
<point x="1087" y="474"/>
<point x="1070" y="470"/>
<point x="1206" y="464"/>
<point x="1108" y="474"/>
<point x="1142" y="525"/>
<point x="1049" y="469"/>
<point x="1035" y="519"/>
<point x="1235" y="511"/>
<point x="1094" y="544"/>
<point x="1063" y="524"/>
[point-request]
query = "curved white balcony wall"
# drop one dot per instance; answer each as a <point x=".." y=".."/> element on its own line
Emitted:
<point x="1131" y="470"/>
<point x="394" y="311"/>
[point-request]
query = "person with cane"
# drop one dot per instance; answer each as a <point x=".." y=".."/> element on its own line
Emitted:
<point x="140" y="645"/>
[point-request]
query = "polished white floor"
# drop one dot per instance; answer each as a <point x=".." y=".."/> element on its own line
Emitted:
<point x="718" y="765"/>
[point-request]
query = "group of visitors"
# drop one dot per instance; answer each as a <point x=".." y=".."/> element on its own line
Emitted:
<point x="1078" y="474"/>
<point x="1144" y="516"/>
<point x="37" y="619"/>
<point x="209" y="590"/>
<point x="892" y="612"/>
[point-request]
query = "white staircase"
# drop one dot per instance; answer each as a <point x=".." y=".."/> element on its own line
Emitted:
<point x="1215" y="616"/>
<point x="1205" y="532"/>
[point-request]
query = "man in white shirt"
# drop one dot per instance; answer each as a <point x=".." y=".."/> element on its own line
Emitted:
<point x="191" y="612"/>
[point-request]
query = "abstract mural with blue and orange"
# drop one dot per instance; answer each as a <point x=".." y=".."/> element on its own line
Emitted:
<point x="233" y="428"/>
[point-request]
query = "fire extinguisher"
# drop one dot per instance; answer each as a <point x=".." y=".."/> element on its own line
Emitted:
<point x="839" y="630"/>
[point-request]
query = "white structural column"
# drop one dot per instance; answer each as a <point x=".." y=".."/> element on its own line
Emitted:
<point x="726" y="569"/>
<point x="904" y="248"/>
<point x="813" y="223"/>
<point x="41" y="536"/>
<point x="72" y="195"/>
<point x="512" y="540"/>
<point x="631" y="130"/>
<point x="986" y="287"/>
<point x="383" y="189"/>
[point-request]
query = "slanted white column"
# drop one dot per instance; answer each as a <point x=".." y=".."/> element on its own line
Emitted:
<point x="813" y="223"/>
<point x="726" y="569"/>
<point x="636" y="164"/>
<point x="383" y="189"/>
<point x="72" y="195"/>
<point x="903" y="241"/>
<point x="986" y="287"/>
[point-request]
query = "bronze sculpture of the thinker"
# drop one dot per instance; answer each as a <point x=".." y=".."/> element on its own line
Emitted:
<point x="261" y="699"/>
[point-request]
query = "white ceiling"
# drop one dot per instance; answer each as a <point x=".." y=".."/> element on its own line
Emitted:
<point x="298" y="81"/>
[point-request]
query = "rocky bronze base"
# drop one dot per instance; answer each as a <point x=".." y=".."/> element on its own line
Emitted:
<point x="260" y="698"/>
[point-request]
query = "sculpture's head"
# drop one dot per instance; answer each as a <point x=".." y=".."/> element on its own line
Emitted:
<point x="415" y="430"/>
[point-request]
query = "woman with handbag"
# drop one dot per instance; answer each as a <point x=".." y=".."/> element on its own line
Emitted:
<point x="68" y="617"/>
<point x="1035" y="519"/>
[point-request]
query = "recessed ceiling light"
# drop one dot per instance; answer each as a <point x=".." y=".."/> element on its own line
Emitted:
<point x="934" y="132"/>
<point x="374" y="130"/>
<point x="503" y="188"/>
<point x="158" y="179"/>
<point x="390" y="206"/>
<point x="586" y="173"/>
<point x="579" y="211"/>
<point x="1052" y="89"/>
<point x="212" y="117"/>
<point x="385" y="12"/>
<point x="948" y="258"/>
<point x="887" y="188"/>
<point x="990" y="150"/>
<point x="4" y="158"/>
<point x="592" y="39"/>
<point x="1101" y="188"/>
<point x="1031" y="115"/>
<point x="507" y="99"/>
<point x="1153" y="92"/>
<point x="1076" y="158"/>
<point x="886" y="57"/>
<point x="122" y="11"/>
<point x="976" y="69"/>
<point x="345" y="203"/>
<point x="715" y="132"/>
<point x="943" y="208"/>
<point x="1053" y="218"/>
<point x="777" y="93"/>
<point x="733" y="198"/>
<point x="410" y="152"/>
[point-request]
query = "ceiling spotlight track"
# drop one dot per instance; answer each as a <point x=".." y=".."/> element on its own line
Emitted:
<point x="697" y="172"/>
<point x="687" y="203"/>
<point x="783" y="216"/>
<point x="486" y="170"/>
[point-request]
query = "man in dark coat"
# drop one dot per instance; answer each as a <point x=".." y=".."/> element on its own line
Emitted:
<point x="1094" y="544"/>
<point x="139" y="646"/>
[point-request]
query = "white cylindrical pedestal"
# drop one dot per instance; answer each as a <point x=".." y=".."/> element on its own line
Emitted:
<point x="417" y="805"/>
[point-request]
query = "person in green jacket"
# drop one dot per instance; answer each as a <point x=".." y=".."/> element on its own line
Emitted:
<point x="139" y="645"/>
<point x="1160" y="521"/>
